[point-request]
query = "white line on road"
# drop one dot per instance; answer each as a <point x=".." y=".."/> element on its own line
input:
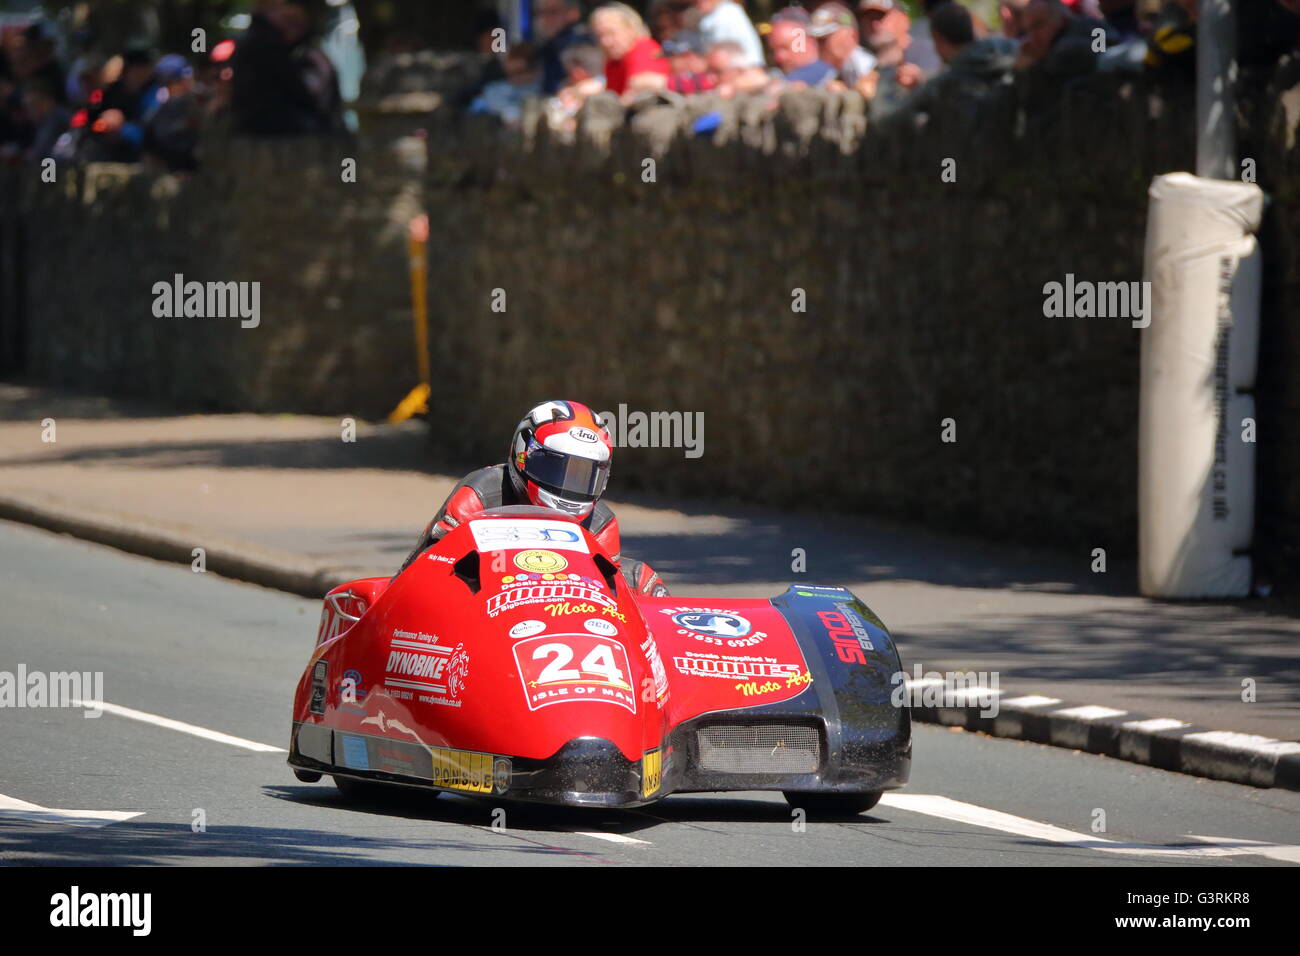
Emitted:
<point x="959" y="812"/>
<point x="12" y="808"/>
<point x="180" y="726"/>
<point x="614" y="838"/>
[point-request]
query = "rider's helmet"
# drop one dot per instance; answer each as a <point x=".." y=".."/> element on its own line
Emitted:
<point x="559" y="457"/>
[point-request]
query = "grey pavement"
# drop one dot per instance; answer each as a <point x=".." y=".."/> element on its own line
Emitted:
<point x="289" y="485"/>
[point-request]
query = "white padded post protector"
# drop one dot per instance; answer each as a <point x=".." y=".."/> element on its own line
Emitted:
<point x="1196" y="473"/>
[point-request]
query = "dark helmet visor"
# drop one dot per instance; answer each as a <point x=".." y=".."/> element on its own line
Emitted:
<point x="569" y="476"/>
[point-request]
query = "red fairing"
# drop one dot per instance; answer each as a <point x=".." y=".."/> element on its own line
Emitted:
<point x="542" y="652"/>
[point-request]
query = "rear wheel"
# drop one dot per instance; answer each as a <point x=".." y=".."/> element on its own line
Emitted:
<point x="368" y="791"/>
<point x="831" y="804"/>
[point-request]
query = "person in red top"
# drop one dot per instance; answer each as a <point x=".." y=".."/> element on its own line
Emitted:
<point x="633" y="59"/>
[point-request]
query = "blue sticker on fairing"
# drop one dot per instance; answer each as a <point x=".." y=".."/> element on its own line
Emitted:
<point x="355" y="754"/>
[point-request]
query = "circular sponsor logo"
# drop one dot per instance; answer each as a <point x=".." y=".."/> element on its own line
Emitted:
<point x="713" y="623"/>
<point x="527" y="629"/>
<point x="541" y="561"/>
<point x="597" y="626"/>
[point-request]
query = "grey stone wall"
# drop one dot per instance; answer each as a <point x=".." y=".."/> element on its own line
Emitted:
<point x="924" y="298"/>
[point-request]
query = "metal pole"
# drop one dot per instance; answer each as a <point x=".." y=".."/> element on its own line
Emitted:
<point x="1216" y="90"/>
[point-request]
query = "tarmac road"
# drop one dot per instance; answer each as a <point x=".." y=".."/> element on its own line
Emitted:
<point x="223" y="657"/>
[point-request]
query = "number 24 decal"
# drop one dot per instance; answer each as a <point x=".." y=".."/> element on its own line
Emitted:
<point x="599" y="661"/>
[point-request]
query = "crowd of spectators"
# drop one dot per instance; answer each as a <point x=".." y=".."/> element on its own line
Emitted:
<point x="273" y="79"/>
<point x="136" y="106"/>
<point x="903" y="64"/>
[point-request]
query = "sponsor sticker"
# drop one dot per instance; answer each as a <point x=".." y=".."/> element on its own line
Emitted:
<point x="463" y="770"/>
<point x="540" y="561"/>
<point x="598" y="626"/>
<point x="527" y="629"/>
<point x="583" y="435"/>
<point x="538" y="591"/>
<point x="567" y="668"/>
<point x="718" y="626"/>
<point x="495" y="534"/>
<point x="847" y="633"/>
<point x="355" y="754"/>
<point x="652" y="778"/>
<point x="732" y="667"/>
<point x="422" y="667"/>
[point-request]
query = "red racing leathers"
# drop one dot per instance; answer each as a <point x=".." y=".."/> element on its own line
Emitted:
<point x="491" y="487"/>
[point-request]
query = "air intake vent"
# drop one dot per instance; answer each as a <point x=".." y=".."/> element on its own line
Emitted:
<point x="759" y="748"/>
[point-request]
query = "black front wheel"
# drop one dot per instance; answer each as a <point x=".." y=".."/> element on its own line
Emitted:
<point x="831" y="804"/>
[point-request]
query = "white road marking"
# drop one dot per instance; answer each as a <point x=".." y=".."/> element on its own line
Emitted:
<point x="1274" y="851"/>
<point x="182" y="727"/>
<point x="1032" y="700"/>
<point x="614" y="838"/>
<point x="1089" y="712"/>
<point x="12" y="808"/>
<point x="959" y="812"/>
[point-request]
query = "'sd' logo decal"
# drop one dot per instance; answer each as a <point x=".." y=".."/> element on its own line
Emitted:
<point x="540" y="561"/>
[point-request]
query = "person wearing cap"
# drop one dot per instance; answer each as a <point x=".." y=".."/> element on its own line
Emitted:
<point x="725" y="21"/>
<point x="171" y="131"/>
<point x="886" y="28"/>
<point x="794" y="50"/>
<point x="685" y="53"/>
<point x="836" y="31"/>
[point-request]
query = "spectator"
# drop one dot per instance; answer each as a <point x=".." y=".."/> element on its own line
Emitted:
<point x="794" y="50"/>
<point x="725" y="21"/>
<point x="731" y="71"/>
<point x="972" y="66"/>
<point x="668" y="18"/>
<point x="633" y="60"/>
<point x="48" y="117"/>
<point x="281" y="85"/>
<point x="1121" y="16"/>
<point x="559" y="22"/>
<point x="119" y="110"/>
<point x="886" y="27"/>
<point x="584" y="67"/>
<point x="505" y="98"/>
<point x="1055" y="43"/>
<point x="837" y="33"/>
<point x="690" y="68"/>
<point x="37" y="59"/>
<point x="1012" y="14"/>
<point x="921" y="50"/>
<point x="1171" y="47"/>
<point x="171" y="131"/>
